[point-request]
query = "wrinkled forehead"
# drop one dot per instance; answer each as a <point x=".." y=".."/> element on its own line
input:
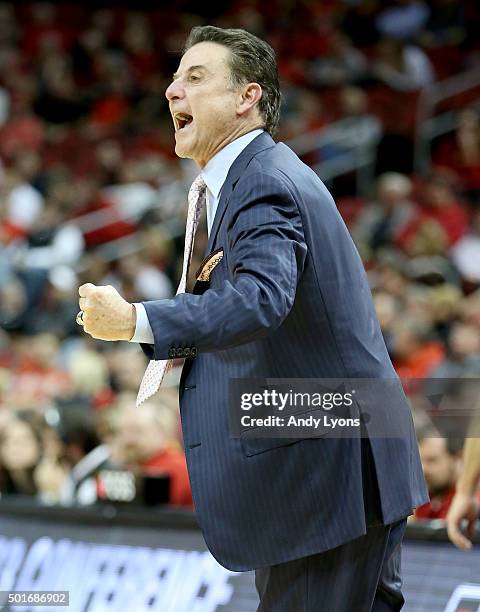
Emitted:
<point x="212" y="57"/>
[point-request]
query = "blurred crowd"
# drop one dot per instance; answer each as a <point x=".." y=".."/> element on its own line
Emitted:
<point x="90" y="190"/>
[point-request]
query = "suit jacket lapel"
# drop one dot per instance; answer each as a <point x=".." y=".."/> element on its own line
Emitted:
<point x="261" y="142"/>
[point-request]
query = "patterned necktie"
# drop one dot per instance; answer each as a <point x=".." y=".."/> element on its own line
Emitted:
<point x="156" y="369"/>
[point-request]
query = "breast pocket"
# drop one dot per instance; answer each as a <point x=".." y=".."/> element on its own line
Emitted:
<point x="211" y="271"/>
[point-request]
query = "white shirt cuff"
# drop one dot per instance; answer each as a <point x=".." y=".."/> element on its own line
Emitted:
<point x="143" y="331"/>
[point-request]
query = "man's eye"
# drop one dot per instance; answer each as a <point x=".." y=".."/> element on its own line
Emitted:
<point x="193" y="78"/>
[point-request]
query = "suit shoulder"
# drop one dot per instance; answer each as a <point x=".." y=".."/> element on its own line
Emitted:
<point x="279" y="169"/>
<point x="281" y="164"/>
<point x="266" y="169"/>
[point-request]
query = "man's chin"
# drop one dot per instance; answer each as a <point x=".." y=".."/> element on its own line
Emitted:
<point x="182" y="151"/>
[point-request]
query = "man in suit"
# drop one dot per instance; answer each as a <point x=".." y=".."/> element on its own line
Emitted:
<point x="282" y="294"/>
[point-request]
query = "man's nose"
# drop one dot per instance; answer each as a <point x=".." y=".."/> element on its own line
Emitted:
<point x="174" y="91"/>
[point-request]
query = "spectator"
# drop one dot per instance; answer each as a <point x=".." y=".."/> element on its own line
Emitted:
<point x="143" y="444"/>
<point x="126" y="367"/>
<point x="462" y="152"/>
<point x="355" y="127"/>
<point x="51" y="242"/>
<point x="469" y="309"/>
<point x="417" y="308"/>
<point x="55" y="302"/>
<point x="83" y="454"/>
<point x="415" y="355"/>
<point x="384" y="219"/>
<point x="134" y="195"/>
<point x="441" y="459"/>
<point x="21" y="450"/>
<point x="342" y="64"/>
<point x="149" y="283"/>
<point x="89" y="372"/>
<point x="362" y="126"/>
<point x="445" y="302"/>
<point x="23" y="205"/>
<point x="59" y="101"/>
<point x="13" y="304"/>
<point x="442" y="203"/>
<point x="463" y="357"/>
<point x="303" y="114"/>
<point x="37" y="376"/>
<point x="442" y="218"/>
<point x="23" y="131"/>
<point x="466" y="252"/>
<point x="441" y="209"/>
<point x="402" y="67"/>
<point x="387" y="309"/>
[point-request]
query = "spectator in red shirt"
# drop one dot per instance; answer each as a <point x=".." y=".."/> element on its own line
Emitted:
<point x="144" y="445"/>
<point x="415" y="354"/>
<point x="441" y="459"/>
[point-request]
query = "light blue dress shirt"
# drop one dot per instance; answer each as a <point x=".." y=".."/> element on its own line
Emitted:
<point x="214" y="174"/>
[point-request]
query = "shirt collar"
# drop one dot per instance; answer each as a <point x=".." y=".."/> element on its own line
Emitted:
<point x="215" y="172"/>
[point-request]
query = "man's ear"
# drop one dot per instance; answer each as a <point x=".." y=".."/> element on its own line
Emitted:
<point x="249" y="96"/>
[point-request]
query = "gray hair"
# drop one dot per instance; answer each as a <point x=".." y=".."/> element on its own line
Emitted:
<point x="252" y="60"/>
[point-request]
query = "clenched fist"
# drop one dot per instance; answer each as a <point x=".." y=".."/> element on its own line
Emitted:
<point x="106" y="315"/>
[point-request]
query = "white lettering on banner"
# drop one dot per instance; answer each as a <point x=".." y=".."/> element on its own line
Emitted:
<point x="97" y="587"/>
<point x="119" y="586"/>
<point x="72" y="563"/>
<point x="38" y="565"/>
<point x="12" y="554"/>
<point x="219" y="591"/>
<point x="171" y="571"/>
<point x="193" y="579"/>
<point x="60" y="558"/>
<point x="107" y="578"/>
<point x="137" y="595"/>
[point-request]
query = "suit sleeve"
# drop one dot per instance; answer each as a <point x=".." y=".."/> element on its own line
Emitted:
<point x="266" y="255"/>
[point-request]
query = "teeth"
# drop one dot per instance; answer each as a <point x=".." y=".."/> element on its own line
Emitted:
<point x="181" y="119"/>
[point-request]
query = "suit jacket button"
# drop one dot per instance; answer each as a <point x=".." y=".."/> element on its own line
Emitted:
<point x="172" y="353"/>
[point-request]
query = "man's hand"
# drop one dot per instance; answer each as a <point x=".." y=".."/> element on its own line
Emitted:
<point x="463" y="506"/>
<point x="106" y="315"/>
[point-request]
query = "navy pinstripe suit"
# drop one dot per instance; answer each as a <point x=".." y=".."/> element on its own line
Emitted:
<point x="289" y="299"/>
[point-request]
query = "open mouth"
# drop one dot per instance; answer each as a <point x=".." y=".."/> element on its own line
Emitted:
<point x="181" y="121"/>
